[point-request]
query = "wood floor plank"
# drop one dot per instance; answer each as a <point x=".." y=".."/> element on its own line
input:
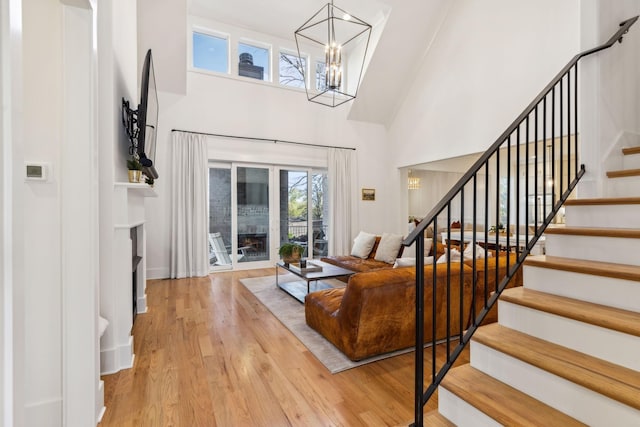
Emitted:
<point x="208" y="353"/>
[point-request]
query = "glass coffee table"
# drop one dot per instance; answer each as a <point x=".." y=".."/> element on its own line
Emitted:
<point x="300" y="288"/>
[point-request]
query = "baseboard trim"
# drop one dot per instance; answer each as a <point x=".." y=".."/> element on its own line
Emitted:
<point x="157" y="273"/>
<point x="141" y="304"/>
<point x="44" y="413"/>
<point x="116" y="359"/>
<point x="100" y="408"/>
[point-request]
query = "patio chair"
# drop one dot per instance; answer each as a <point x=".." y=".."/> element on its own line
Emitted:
<point x="218" y="251"/>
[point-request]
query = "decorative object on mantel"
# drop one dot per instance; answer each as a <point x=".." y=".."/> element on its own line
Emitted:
<point x="135" y="169"/>
<point x="342" y="36"/>
<point x="290" y="252"/>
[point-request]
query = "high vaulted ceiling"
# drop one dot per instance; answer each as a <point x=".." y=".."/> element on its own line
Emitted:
<point x="408" y="29"/>
<point x="281" y="18"/>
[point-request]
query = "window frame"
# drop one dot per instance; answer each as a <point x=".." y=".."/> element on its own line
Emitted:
<point x="307" y="59"/>
<point x="211" y="33"/>
<point x="260" y="45"/>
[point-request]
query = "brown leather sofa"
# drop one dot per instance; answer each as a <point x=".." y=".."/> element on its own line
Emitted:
<point x="375" y="312"/>
<point x="360" y="264"/>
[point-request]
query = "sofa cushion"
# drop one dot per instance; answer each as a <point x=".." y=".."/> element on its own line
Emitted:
<point x="354" y="263"/>
<point x="411" y="261"/>
<point x="363" y="244"/>
<point x="388" y="248"/>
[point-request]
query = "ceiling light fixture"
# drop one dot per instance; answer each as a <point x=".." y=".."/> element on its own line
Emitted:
<point x="344" y="40"/>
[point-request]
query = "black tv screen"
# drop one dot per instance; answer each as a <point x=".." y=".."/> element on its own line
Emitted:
<point x="148" y="118"/>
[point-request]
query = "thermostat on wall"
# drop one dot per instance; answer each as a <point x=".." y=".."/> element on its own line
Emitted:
<point x="36" y="171"/>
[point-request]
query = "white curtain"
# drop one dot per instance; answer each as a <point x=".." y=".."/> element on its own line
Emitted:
<point x="189" y="174"/>
<point x="342" y="175"/>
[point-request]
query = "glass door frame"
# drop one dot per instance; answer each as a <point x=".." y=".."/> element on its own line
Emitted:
<point x="274" y="214"/>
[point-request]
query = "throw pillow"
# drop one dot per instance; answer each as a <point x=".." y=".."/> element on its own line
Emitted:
<point x="363" y="244"/>
<point x="468" y="252"/>
<point x="452" y="255"/>
<point x="428" y="244"/>
<point x="411" y="261"/>
<point x="388" y="248"/>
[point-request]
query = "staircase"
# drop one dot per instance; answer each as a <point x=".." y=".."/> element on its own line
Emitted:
<point x="566" y="349"/>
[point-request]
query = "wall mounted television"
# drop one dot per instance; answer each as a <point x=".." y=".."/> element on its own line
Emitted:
<point x="142" y="124"/>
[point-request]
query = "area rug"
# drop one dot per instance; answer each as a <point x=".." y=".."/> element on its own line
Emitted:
<point x="291" y="314"/>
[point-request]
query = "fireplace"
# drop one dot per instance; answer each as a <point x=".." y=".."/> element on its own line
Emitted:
<point x="135" y="261"/>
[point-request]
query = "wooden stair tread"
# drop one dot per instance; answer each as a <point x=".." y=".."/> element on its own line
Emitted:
<point x="630" y="233"/>
<point x="616" y="319"/>
<point x="604" y="201"/>
<point x="434" y="419"/>
<point x="597" y="268"/>
<point x="503" y="403"/>
<point x="623" y="173"/>
<point x="614" y="381"/>
<point x="631" y="150"/>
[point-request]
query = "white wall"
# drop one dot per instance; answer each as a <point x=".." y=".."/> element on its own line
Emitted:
<point x="12" y="263"/>
<point x="234" y="107"/>
<point x="489" y="60"/>
<point x="611" y="88"/>
<point x="41" y="203"/>
<point x="60" y="253"/>
<point x="118" y="72"/>
<point x="238" y="106"/>
<point x="168" y="44"/>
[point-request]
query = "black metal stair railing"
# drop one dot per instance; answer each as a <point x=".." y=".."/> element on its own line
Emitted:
<point x="518" y="185"/>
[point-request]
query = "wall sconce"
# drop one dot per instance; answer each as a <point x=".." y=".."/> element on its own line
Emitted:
<point x="413" y="182"/>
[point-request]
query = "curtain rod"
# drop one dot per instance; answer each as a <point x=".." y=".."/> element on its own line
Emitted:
<point x="275" y="141"/>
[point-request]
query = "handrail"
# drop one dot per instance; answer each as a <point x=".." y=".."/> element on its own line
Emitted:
<point x="540" y="128"/>
<point x="624" y="28"/>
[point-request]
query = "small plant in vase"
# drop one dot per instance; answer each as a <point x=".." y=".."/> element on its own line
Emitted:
<point x="135" y="169"/>
<point x="290" y="252"/>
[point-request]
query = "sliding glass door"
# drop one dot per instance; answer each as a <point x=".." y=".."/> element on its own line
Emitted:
<point x="253" y="209"/>
<point x="252" y="213"/>
<point x="303" y="210"/>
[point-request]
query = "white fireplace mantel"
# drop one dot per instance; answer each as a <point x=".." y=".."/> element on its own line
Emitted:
<point x="116" y="346"/>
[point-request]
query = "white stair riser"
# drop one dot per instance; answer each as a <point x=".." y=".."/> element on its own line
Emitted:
<point x="606" y="249"/>
<point x="631" y="161"/>
<point x="622" y="187"/>
<point x="618" y="293"/>
<point x="461" y="413"/>
<point x="616" y="347"/>
<point x="615" y="216"/>
<point x="576" y="401"/>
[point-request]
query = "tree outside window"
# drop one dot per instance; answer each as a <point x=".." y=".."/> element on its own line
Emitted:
<point x="292" y="70"/>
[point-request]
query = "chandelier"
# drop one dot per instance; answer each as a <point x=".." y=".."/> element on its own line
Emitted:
<point x="342" y="41"/>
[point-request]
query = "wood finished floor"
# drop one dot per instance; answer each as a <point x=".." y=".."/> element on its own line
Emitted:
<point x="209" y="354"/>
